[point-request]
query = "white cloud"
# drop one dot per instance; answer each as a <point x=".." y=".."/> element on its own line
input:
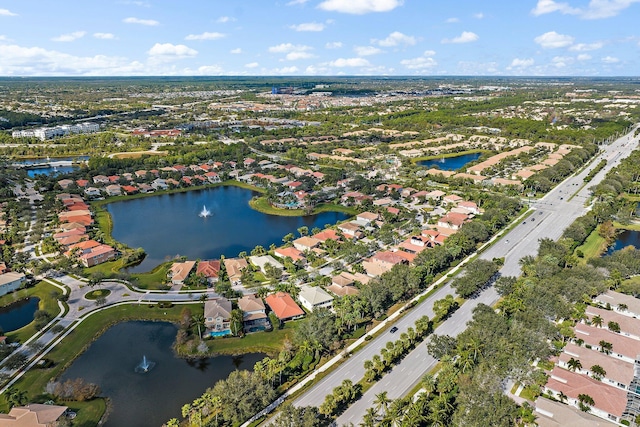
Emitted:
<point x="452" y="20"/>
<point x="333" y="45"/>
<point x="7" y="12"/>
<point x="596" y="9"/>
<point x="205" y="36"/>
<point x="550" y="6"/>
<point x="465" y="37"/>
<point x="553" y="40"/>
<point x="420" y="63"/>
<point x="69" y="37"/>
<point x="585" y="47"/>
<point x="396" y="38"/>
<point x="36" y="61"/>
<point x="147" y="22"/>
<point x="104" y="36"/>
<point x="295" y="2"/>
<point x="294" y="56"/>
<point x="289" y="47"/>
<point x="562" y="61"/>
<point x="251" y="65"/>
<point x="207" y="70"/>
<point x="478" y="15"/>
<point x="360" y="7"/>
<point x="236" y="51"/>
<point x="349" y="62"/>
<point x="225" y="19"/>
<point x="308" y="26"/>
<point x="521" y="63"/>
<point x="610" y="60"/>
<point x="170" y="52"/>
<point x="286" y="70"/>
<point x="583" y="57"/>
<point x="4" y="38"/>
<point x="366" y="50"/>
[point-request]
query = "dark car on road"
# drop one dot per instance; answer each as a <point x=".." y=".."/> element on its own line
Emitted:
<point x="394" y="329"/>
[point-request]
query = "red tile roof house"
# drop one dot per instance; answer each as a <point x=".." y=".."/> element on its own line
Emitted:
<point x="453" y="220"/>
<point x="306" y="243"/>
<point x="129" y="189"/>
<point x="327" y="234"/>
<point x="284" y="307"/>
<point x="609" y="402"/>
<point x="382" y="262"/>
<point x="209" y="269"/>
<point x="290" y="252"/>
<point x="82" y="183"/>
<point x="98" y="255"/>
<point x="179" y="271"/>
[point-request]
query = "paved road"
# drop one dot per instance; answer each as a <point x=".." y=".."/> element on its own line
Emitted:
<point x="553" y="214"/>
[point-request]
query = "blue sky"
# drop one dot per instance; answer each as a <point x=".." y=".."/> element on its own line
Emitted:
<point x="319" y="37"/>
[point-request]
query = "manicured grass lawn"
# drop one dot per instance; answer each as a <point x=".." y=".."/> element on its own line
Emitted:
<point x="263" y="342"/>
<point x="48" y="302"/>
<point x="153" y="279"/>
<point x="34" y="381"/>
<point x="261" y="204"/>
<point x="593" y="246"/>
<point x="108" y="269"/>
<point x="95" y="294"/>
<point x="635" y="227"/>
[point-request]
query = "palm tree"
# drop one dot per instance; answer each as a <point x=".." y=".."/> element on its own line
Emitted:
<point x="381" y="402"/>
<point x="585" y="402"/>
<point x="370" y="418"/>
<point x="198" y="321"/>
<point x="428" y="384"/>
<point x="598" y="372"/>
<point x="574" y="364"/>
<point x="597" y="321"/>
<point x="623" y="307"/>
<point x="562" y="397"/>
<point x="16" y="397"/>
<point x="605" y="347"/>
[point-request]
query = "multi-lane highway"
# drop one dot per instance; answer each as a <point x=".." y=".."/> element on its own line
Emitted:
<point x="552" y="215"/>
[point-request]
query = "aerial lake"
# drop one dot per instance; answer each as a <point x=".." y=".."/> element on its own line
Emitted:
<point x="18" y="314"/>
<point x="51" y="170"/>
<point x="625" y="238"/>
<point x="142" y="399"/>
<point x="168" y="225"/>
<point x="451" y="163"/>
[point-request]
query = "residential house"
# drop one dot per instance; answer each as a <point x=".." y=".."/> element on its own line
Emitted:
<point x="550" y="413"/>
<point x="382" y="262"/>
<point x="327" y="234"/>
<point x="217" y="316"/>
<point x="621" y="303"/>
<point x="179" y="271"/>
<point x="82" y="183"/>
<point x="283" y="306"/>
<point x="113" y="190"/>
<point x="368" y="217"/>
<point x="254" y="314"/>
<point x="351" y="230"/>
<point x="92" y="192"/>
<point x="159" y="184"/>
<point x="65" y="183"/>
<point x="314" y="297"/>
<point x="261" y="261"/>
<point x="344" y="284"/>
<point x="101" y="179"/>
<point x="11" y="281"/>
<point x="453" y="220"/>
<point x="452" y="199"/>
<point x="98" y="255"/>
<point x="306" y="243"/>
<point x="210" y="269"/>
<point x="234" y="267"/>
<point x="290" y="252"/>
<point x="33" y="415"/>
<point x="470" y="207"/>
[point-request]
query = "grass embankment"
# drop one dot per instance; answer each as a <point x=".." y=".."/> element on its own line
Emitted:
<point x="260" y="342"/>
<point x="98" y="293"/>
<point x="593" y="246"/>
<point x="48" y="295"/>
<point x="35" y="380"/>
<point x="446" y="155"/>
<point x="261" y="204"/>
<point x="154" y="279"/>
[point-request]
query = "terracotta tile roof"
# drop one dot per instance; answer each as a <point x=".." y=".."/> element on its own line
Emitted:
<point x="283" y="305"/>
<point x="625" y="346"/>
<point x="327" y="234"/>
<point x="209" y="268"/>
<point x="290" y="252"/>
<point x="606" y="398"/>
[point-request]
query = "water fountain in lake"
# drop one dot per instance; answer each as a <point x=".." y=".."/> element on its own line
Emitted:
<point x="145" y="365"/>
<point x="204" y="213"/>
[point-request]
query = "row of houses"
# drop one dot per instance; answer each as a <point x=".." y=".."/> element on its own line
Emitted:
<point x="602" y="361"/>
<point x="73" y="236"/>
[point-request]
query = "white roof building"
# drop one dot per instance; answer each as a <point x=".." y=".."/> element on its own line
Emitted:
<point x="313" y="297"/>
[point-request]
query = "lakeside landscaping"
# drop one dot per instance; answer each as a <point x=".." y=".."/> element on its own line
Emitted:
<point x="48" y="295"/>
<point x="74" y="344"/>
